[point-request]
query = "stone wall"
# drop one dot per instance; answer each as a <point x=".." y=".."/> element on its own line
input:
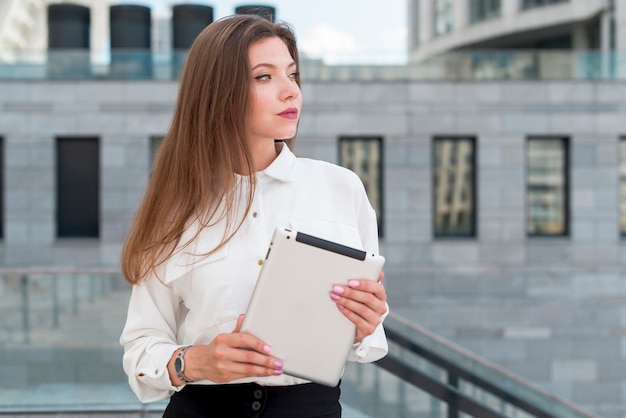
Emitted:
<point x="552" y="310"/>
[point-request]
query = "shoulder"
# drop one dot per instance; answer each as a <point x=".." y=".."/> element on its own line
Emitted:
<point x="323" y="169"/>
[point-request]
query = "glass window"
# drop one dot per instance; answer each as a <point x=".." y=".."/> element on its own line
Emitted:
<point x="484" y="9"/>
<point x="78" y="187"/>
<point x="547" y="186"/>
<point x="622" y="185"/>
<point x="364" y="156"/>
<point x="454" y="187"/>
<point x="530" y="4"/>
<point x="443" y="17"/>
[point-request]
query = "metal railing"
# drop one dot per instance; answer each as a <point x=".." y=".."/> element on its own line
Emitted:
<point x="461" y="65"/>
<point x="453" y="382"/>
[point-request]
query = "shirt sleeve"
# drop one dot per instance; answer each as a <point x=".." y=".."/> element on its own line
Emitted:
<point x="149" y="339"/>
<point x="374" y="346"/>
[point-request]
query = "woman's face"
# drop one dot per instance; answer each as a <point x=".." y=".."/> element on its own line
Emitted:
<point x="275" y="95"/>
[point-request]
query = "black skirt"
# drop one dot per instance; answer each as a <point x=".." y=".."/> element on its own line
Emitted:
<point x="249" y="400"/>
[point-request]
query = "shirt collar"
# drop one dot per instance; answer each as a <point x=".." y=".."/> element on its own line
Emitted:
<point x="283" y="168"/>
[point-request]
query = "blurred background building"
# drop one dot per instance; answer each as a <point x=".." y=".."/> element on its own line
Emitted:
<point x="495" y="160"/>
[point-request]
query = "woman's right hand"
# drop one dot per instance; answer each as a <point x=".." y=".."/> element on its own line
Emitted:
<point x="228" y="357"/>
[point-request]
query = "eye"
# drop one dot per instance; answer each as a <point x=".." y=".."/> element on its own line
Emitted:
<point x="294" y="75"/>
<point x="263" y="77"/>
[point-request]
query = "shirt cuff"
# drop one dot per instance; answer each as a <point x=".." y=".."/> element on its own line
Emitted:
<point x="373" y="347"/>
<point x="152" y="371"/>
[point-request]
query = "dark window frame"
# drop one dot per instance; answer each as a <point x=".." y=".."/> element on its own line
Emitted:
<point x="64" y="230"/>
<point x="566" y="185"/>
<point x="533" y="4"/>
<point x="488" y="14"/>
<point x="473" y="234"/>
<point x="380" y="167"/>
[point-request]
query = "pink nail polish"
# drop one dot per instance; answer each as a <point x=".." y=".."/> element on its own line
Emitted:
<point x="338" y="289"/>
<point x="341" y="307"/>
<point x="334" y="296"/>
<point x="277" y="372"/>
<point x="278" y="364"/>
<point x="354" y="283"/>
<point x="267" y="348"/>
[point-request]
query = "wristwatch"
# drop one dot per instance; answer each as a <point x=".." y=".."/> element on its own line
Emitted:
<point x="179" y="365"/>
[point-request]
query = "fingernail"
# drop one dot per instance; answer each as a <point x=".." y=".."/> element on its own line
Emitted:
<point x="341" y="307"/>
<point x="277" y="372"/>
<point x="338" y="289"/>
<point x="278" y="364"/>
<point x="267" y="348"/>
<point x="354" y="283"/>
<point x="334" y="296"/>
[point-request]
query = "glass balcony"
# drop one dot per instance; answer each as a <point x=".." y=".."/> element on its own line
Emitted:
<point x="59" y="356"/>
<point x="463" y="65"/>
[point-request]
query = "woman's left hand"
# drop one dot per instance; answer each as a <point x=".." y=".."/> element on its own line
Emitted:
<point x="363" y="302"/>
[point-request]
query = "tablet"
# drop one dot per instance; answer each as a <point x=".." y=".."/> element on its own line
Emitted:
<point x="291" y="309"/>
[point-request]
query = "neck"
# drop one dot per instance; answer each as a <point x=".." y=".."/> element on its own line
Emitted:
<point x="264" y="154"/>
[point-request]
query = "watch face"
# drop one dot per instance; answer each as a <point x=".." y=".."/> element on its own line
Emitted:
<point x="178" y="364"/>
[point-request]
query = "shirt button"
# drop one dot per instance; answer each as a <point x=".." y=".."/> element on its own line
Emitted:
<point x="260" y="261"/>
<point x="254" y="214"/>
<point x="258" y="394"/>
<point x="256" y="405"/>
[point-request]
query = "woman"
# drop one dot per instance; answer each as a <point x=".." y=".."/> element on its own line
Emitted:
<point x="220" y="185"/>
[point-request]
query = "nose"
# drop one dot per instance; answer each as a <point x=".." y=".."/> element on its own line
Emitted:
<point x="289" y="89"/>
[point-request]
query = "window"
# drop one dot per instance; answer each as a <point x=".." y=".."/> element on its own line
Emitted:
<point x="622" y="185"/>
<point x="531" y="4"/>
<point x="78" y="187"/>
<point x="443" y="17"/>
<point x="483" y="9"/>
<point x="454" y="186"/>
<point x="547" y="186"/>
<point x="364" y="156"/>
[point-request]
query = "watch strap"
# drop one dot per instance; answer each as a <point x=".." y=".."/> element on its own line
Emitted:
<point x="180" y="359"/>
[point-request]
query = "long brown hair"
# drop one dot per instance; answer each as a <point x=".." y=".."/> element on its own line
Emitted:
<point x="206" y="144"/>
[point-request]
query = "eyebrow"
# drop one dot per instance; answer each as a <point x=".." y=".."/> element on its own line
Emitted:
<point x="263" y="64"/>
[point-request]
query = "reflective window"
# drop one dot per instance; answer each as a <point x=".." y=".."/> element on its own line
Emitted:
<point x="622" y="185"/>
<point x="529" y="4"/>
<point x="547" y="186"/>
<point x="78" y="187"/>
<point x="483" y="9"/>
<point x="364" y="156"/>
<point x="454" y="187"/>
<point x="443" y="17"/>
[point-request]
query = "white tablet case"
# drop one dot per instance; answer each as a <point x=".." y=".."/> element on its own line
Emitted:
<point x="291" y="309"/>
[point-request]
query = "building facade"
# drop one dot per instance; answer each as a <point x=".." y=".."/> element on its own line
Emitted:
<point x="501" y="203"/>
<point x="501" y="215"/>
<point x="439" y="26"/>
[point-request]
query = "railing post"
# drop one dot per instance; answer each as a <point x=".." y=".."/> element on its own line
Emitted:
<point x="92" y="288"/>
<point x="74" y="295"/>
<point x="453" y="408"/>
<point x="25" y="308"/>
<point x="55" y="301"/>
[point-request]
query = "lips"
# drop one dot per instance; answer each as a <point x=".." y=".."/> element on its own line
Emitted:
<point x="291" y="113"/>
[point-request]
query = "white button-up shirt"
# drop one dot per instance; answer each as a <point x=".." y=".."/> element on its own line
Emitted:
<point x="195" y="298"/>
